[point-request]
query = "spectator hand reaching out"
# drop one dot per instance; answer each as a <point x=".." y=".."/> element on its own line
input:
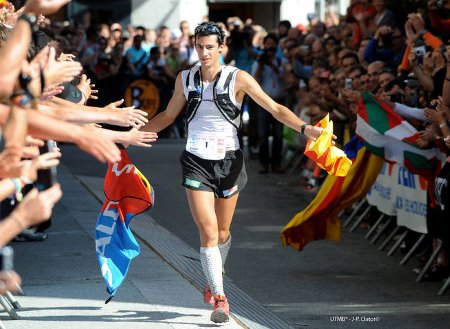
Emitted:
<point x="127" y="116"/>
<point x="44" y="7"/>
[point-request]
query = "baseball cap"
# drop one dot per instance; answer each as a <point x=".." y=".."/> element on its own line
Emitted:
<point x="411" y="80"/>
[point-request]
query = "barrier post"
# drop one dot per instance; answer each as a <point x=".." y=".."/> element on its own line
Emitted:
<point x="444" y="286"/>
<point x="355" y="211"/>
<point x="8" y="308"/>
<point x="383" y="228"/>
<point x="374" y="226"/>
<point x="430" y="261"/>
<point x="411" y="251"/>
<point x="389" y="238"/>
<point x="360" y="219"/>
<point x="397" y="244"/>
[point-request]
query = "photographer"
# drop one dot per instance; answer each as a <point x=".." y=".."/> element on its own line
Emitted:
<point x="241" y="49"/>
<point x="269" y="72"/>
<point x="387" y="45"/>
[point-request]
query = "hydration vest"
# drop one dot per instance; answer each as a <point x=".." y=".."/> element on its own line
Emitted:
<point x="193" y="89"/>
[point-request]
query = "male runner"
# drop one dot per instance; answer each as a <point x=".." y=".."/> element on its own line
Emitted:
<point x="213" y="163"/>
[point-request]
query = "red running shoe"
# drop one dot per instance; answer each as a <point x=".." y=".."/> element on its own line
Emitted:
<point x="207" y="295"/>
<point x="221" y="311"/>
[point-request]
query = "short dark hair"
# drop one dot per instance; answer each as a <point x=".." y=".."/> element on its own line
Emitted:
<point x="286" y="24"/>
<point x="210" y="28"/>
<point x="272" y="36"/>
<point x="351" y="55"/>
<point x="396" y="82"/>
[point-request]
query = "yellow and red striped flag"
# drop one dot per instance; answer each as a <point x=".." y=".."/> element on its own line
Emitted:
<point x="319" y="220"/>
<point x="326" y="155"/>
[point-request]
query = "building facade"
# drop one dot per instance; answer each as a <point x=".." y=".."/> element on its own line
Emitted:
<point x="154" y="13"/>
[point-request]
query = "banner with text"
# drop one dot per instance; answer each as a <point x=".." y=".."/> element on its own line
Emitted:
<point x="411" y="200"/>
<point x="381" y="195"/>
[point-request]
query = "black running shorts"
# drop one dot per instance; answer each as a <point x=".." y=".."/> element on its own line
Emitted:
<point x="222" y="177"/>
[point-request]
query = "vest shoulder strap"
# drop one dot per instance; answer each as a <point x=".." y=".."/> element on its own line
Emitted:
<point x="191" y="80"/>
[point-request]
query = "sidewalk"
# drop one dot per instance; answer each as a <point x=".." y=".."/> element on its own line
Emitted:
<point x="63" y="285"/>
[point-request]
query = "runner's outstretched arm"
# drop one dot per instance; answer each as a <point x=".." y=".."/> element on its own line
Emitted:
<point x="168" y="116"/>
<point x="246" y="83"/>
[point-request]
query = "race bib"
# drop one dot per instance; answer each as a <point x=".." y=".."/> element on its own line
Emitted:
<point x="206" y="145"/>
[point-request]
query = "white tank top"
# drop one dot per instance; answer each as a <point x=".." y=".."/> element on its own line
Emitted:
<point x="210" y="135"/>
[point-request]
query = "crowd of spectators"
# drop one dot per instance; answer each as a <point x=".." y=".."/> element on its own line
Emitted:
<point x="315" y="70"/>
<point x="42" y="99"/>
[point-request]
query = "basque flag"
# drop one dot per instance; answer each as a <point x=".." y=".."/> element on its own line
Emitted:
<point x="128" y="193"/>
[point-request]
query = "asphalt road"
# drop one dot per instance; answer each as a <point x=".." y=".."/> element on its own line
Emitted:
<point x="328" y="285"/>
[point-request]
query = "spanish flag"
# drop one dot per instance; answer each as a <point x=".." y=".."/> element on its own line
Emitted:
<point x="319" y="220"/>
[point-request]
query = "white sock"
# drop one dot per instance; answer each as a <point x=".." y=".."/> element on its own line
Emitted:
<point x="212" y="267"/>
<point x="224" y="248"/>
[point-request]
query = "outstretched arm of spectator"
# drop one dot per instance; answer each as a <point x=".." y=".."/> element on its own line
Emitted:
<point x="16" y="49"/>
<point x="41" y="126"/>
<point x="411" y="37"/>
<point x="132" y="137"/>
<point x="111" y="114"/>
<point x="439" y="116"/>
<point x="174" y="108"/>
<point x="35" y="208"/>
<point x="26" y="173"/>
<point x="409" y="112"/>
<point x="14" y="52"/>
<point x="371" y="53"/>
<point x="44" y="7"/>
<point x="419" y="26"/>
<point x="15" y="128"/>
<point x="425" y="80"/>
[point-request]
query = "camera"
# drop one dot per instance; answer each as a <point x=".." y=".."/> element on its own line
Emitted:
<point x="397" y="98"/>
<point x="264" y="57"/>
<point x="6" y="258"/>
<point x="46" y="177"/>
<point x="420" y="51"/>
<point x="387" y="39"/>
<point x="348" y="83"/>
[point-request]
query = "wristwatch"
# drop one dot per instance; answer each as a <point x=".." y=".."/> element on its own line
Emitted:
<point x="21" y="99"/>
<point x="30" y="19"/>
<point x="302" y="128"/>
<point x="24" y="80"/>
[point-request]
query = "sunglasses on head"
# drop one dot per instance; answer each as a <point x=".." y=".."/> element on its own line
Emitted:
<point x="208" y="28"/>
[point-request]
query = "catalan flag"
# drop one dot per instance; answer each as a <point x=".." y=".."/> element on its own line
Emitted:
<point x="319" y="220"/>
<point x="326" y="155"/>
<point x="128" y="193"/>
